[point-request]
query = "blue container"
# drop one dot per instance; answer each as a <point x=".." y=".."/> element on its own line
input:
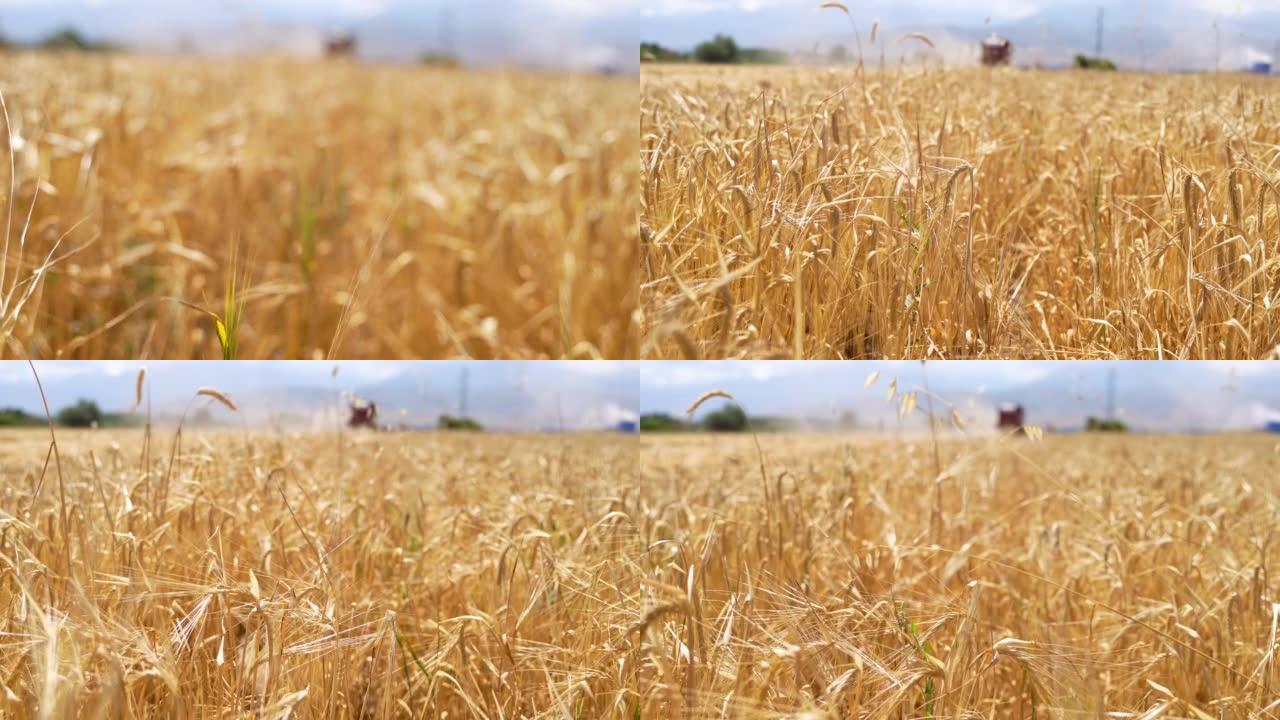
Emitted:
<point x="628" y="426"/>
<point x="1273" y="427"/>
<point x="1261" y="68"/>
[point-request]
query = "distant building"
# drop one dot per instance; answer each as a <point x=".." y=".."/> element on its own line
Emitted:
<point x="1011" y="418"/>
<point x="1260" y="68"/>
<point x="1273" y="427"/>
<point x="996" y="51"/>
<point x="628" y="426"/>
<point x="343" y="45"/>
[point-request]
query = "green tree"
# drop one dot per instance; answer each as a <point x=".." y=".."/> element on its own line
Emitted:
<point x="1084" y="62"/>
<point x="449" y="422"/>
<point x="440" y="60"/>
<point x="661" y="422"/>
<point x="653" y="52"/>
<point x="17" y="417"/>
<point x="730" y="418"/>
<point x="66" y="39"/>
<point x="720" y="49"/>
<point x="838" y="54"/>
<point x="84" y="413"/>
<point x="1100" y="425"/>
<point x="71" y="39"/>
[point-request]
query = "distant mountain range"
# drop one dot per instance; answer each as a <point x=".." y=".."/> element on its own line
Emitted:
<point x="501" y="395"/>
<point x="1172" y="35"/>
<point x="1183" y="396"/>
<point x="480" y="32"/>
<point x="1175" y="35"/>
<point x="1189" y="39"/>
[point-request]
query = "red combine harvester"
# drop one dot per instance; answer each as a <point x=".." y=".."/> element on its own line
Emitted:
<point x="363" y="415"/>
<point x="1012" y="419"/>
<point x="996" y="51"/>
<point x="340" y="46"/>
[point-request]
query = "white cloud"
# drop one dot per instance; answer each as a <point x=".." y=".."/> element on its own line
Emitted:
<point x="995" y="8"/>
<point x="655" y="7"/>
<point x="1235" y="7"/>
<point x="369" y="371"/>
<point x="608" y="415"/>
<point x="354" y="8"/>
<point x="50" y="370"/>
<point x="684" y="373"/>
<point x="1252" y="368"/>
<point x="593" y="368"/>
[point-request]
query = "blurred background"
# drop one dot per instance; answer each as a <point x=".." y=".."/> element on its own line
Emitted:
<point x="499" y="395"/>
<point x="549" y="34"/>
<point x="1153" y="35"/>
<point x="986" y="396"/>
<point x="890" y="397"/>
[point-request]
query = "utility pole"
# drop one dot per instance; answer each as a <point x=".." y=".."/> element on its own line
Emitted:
<point x="424" y="395"/>
<point x="447" y="31"/>
<point x="1111" y="394"/>
<point x="1142" y="35"/>
<point x="1044" y="41"/>
<point x="1097" y="45"/>
<point x="1217" y="46"/>
<point x="462" y="394"/>
<point x="1230" y="391"/>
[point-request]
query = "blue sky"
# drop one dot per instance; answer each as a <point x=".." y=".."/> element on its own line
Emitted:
<point x="508" y="395"/>
<point x="1152" y="33"/>
<point x="594" y="33"/>
<point x="997" y="9"/>
<point x="532" y="32"/>
<point x="1170" y="396"/>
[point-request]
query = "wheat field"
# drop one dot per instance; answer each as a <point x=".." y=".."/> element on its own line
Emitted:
<point x="963" y="213"/>
<point x="273" y="576"/>
<point x="315" y="209"/>
<point x="433" y="575"/>
<point x="1080" y="576"/>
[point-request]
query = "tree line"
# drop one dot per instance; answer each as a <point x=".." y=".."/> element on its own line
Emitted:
<point x="724" y="50"/>
<point x="62" y="40"/>
<point x="729" y="419"/>
<point x="81" y="414"/>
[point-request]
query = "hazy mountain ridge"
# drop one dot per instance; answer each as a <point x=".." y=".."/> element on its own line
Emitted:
<point x="502" y="395"/>
<point x="482" y="33"/>
<point x="1136" y="34"/>
<point x="1176" y="397"/>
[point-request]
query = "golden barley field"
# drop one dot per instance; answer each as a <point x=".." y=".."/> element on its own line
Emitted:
<point x="431" y="575"/>
<point x="962" y="213"/>
<point x="315" y="209"/>
<point x="315" y="576"/>
<point x="1080" y="576"/>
